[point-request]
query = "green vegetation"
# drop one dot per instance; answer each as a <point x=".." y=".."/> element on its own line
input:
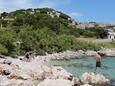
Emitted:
<point x="97" y="32"/>
<point x="103" y="43"/>
<point x="43" y="30"/>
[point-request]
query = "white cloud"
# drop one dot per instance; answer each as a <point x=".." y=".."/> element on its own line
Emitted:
<point x="76" y="14"/>
<point x="10" y="5"/>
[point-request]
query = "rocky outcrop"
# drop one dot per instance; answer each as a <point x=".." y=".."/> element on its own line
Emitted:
<point x="68" y="55"/>
<point x="31" y="73"/>
<point x="91" y="78"/>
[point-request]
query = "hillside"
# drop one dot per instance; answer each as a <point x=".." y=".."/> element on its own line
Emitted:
<point x="43" y="30"/>
<point x="39" y="18"/>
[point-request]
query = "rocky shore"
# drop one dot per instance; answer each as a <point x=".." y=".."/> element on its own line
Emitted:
<point x="39" y="72"/>
<point x="80" y="54"/>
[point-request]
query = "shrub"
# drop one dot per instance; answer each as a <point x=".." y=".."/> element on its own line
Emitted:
<point x="3" y="50"/>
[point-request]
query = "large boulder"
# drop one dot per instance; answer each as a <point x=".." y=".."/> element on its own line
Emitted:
<point x="60" y="73"/>
<point x="91" y="78"/>
<point x="57" y="82"/>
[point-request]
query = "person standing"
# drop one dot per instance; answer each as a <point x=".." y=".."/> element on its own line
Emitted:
<point x="98" y="59"/>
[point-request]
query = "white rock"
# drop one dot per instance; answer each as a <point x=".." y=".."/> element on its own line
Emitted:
<point x="59" y="72"/>
<point x="57" y="82"/>
<point x="86" y="85"/>
<point x="90" y="53"/>
<point x="87" y="78"/>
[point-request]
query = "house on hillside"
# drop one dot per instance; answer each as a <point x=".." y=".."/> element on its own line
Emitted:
<point x="111" y="36"/>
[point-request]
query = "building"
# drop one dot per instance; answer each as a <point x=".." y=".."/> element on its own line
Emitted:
<point x="111" y="36"/>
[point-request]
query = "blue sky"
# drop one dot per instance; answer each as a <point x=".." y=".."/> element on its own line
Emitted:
<point x="80" y="10"/>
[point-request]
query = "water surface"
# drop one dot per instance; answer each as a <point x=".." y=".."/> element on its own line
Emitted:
<point x="78" y="66"/>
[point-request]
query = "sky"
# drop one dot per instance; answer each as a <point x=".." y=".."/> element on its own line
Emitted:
<point x="80" y="10"/>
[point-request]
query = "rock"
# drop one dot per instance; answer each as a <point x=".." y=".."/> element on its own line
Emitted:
<point x="12" y="76"/>
<point x="38" y="73"/>
<point x="57" y="82"/>
<point x="91" y="78"/>
<point x="90" y="53"/>
<point x="24" y="76"/>
<point x="12" y="83"/>
<point x="108" y="52"/>
<point x="3" y="80"/>
<point x="60" y="73"/>
<point x="68" y="55"/>
<point x="6" y="72"/>
<point x="21" y="73"/>
<point x="8" y="61"/>
<point x="86" y="85"/>
<point x="2" y="60"/>
<point x="73" y="54"/>
<point x="76" y="81"/>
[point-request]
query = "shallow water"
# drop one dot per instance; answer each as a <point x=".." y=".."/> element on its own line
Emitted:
<point x="78" y="66"/>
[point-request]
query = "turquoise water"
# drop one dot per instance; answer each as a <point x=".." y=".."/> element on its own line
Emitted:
<point x="78" y="66"/>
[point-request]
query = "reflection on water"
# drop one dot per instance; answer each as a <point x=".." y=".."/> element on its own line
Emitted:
<point x="78" y="66"/>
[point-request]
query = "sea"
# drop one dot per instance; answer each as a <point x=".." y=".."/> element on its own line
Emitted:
<point x="79" y="66"/>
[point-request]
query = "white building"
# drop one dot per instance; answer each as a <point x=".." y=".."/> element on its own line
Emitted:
<point x="111" y="36"/>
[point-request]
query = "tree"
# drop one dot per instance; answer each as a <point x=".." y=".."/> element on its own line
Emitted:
<point x="3" y="50"/>
<point x="4" y="14"/>
<point x="8" y="39"/>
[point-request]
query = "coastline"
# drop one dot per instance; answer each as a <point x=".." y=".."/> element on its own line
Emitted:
<point x="80" y="54"/>
<point x="38" y="72"/>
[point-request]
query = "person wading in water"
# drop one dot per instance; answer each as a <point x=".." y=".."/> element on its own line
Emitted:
<point x="98" y="59"/>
